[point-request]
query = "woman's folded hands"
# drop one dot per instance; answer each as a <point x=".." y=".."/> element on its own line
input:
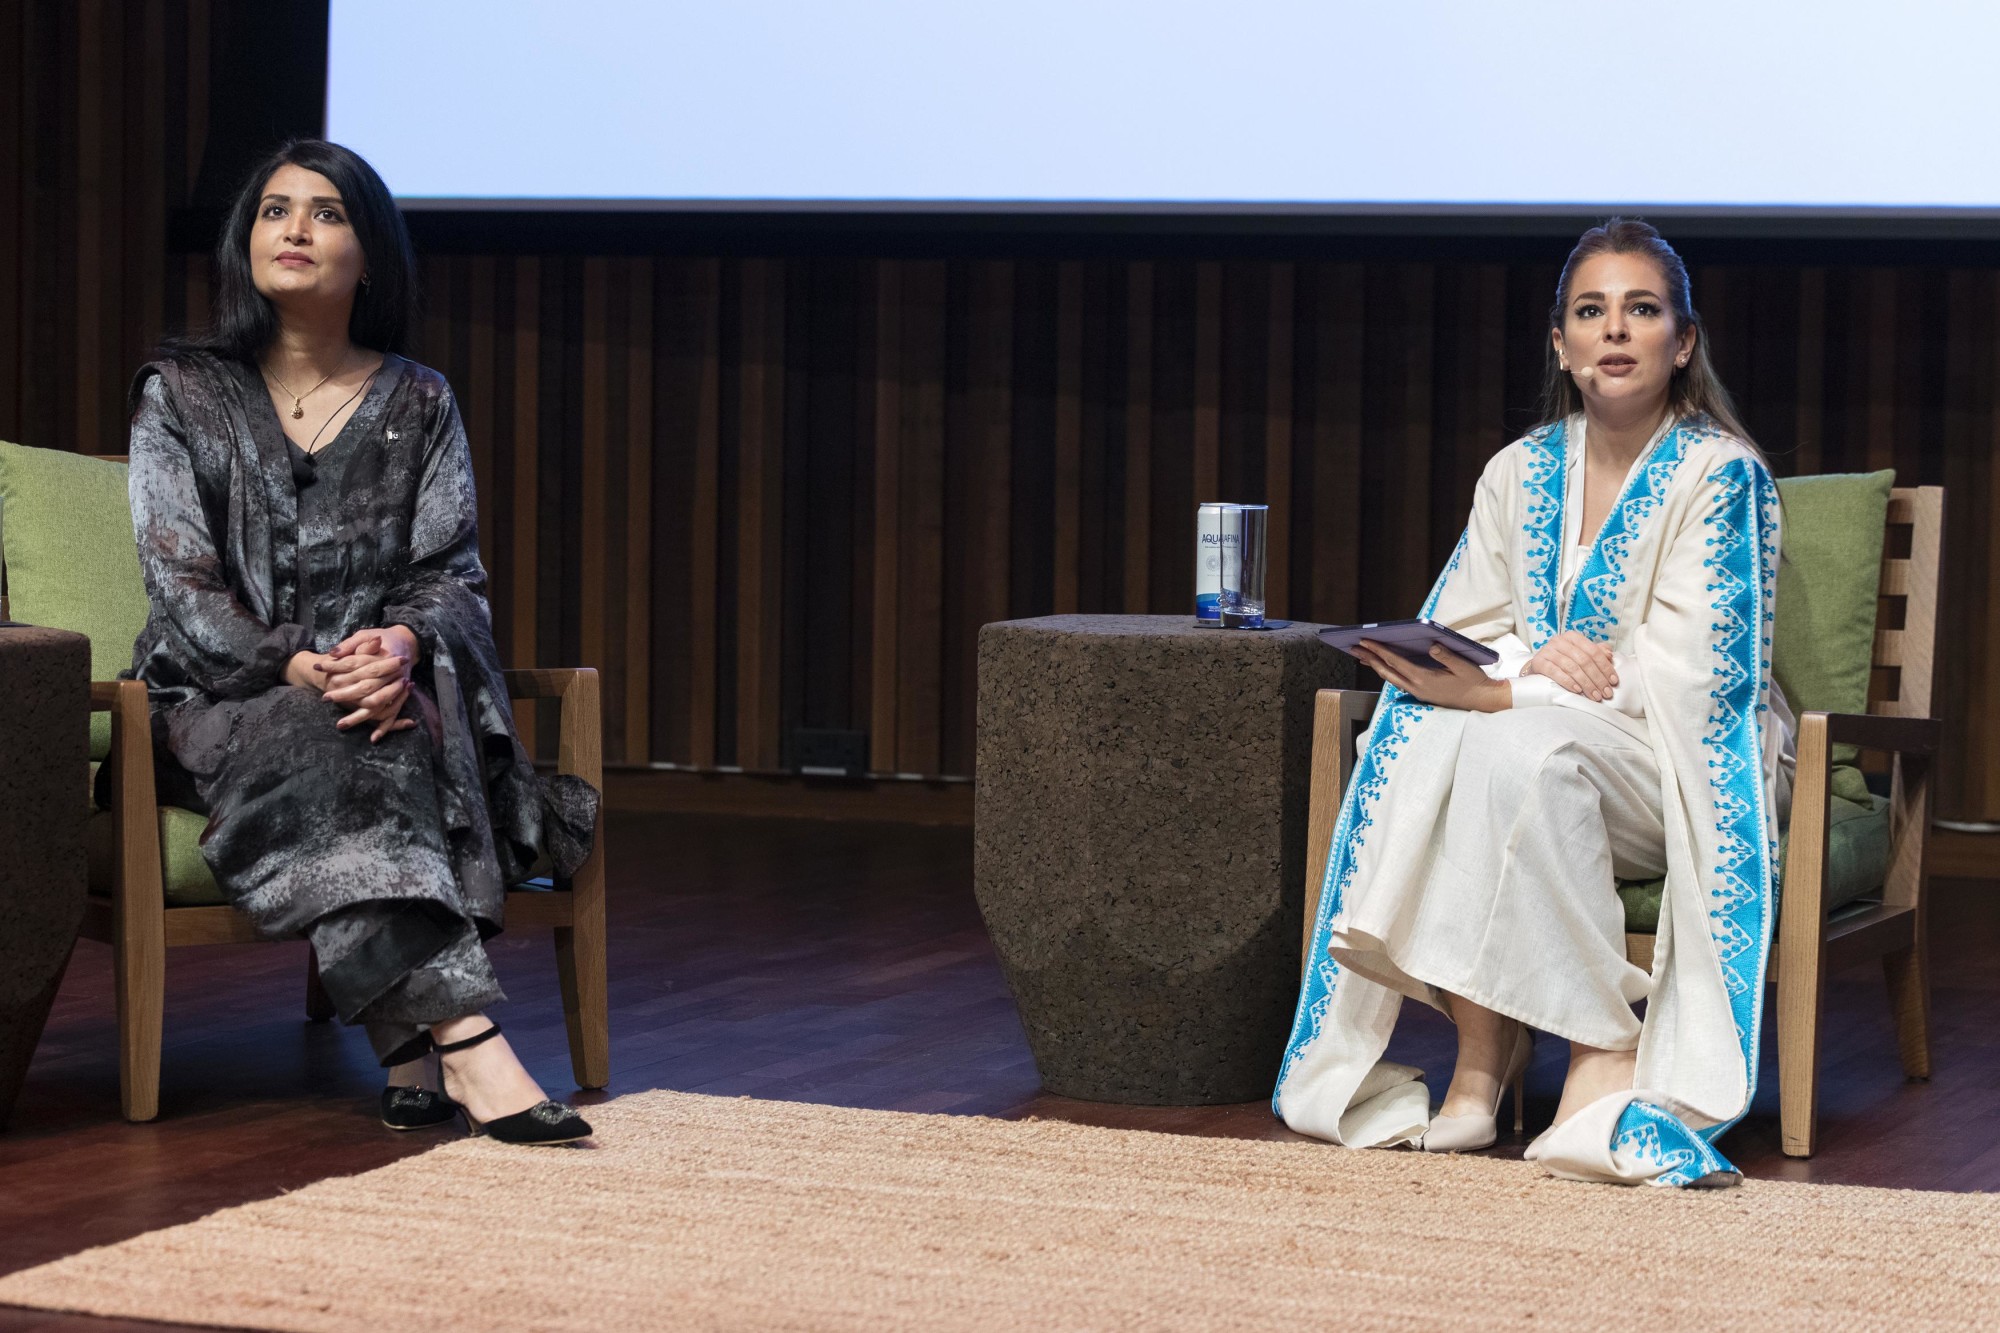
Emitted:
<point x="1579" y="664"/>
<point x="369" y="673"/>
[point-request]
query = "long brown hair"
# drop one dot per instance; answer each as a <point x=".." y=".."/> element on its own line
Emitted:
<point x="1695" y="388"/>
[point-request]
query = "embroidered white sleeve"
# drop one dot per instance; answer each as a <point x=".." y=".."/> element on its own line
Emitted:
<point x="1514" y="655"/>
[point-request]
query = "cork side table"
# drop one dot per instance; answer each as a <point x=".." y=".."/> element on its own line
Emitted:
<point x="44" y="800"/>
<point x="1140" y="846"/>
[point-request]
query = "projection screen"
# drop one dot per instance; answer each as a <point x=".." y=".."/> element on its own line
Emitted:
<point x="1096" y="105"/>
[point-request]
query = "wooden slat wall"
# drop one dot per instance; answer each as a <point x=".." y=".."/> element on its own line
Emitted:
<point x="945" y="443"/>
<point x="102" y="112"/>
<point x="780" y="492"/>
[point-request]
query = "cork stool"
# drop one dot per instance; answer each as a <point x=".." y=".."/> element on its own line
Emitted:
<point x="45" y="738"/>
<point x="1140" y="846"/>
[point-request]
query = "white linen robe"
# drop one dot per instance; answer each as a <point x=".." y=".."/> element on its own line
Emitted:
<point x="1680" y="582"/>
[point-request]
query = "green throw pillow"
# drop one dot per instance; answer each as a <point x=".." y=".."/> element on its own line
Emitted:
<point x="66" y="540"/>
<point x="1827" y="583"/>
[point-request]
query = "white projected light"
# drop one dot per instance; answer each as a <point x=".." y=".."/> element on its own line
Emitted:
<point x="1822" y="104"/>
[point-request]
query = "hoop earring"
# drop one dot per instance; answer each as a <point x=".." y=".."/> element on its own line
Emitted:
<point x="364" y="280"/>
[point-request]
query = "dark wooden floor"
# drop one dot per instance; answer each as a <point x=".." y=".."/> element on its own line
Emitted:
<point x="839" y="963"/>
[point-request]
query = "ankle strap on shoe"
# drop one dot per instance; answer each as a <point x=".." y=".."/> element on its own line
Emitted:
<point x="451" y="1047"/>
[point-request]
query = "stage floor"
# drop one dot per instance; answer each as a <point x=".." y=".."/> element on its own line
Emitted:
<point x="839" y="963"/>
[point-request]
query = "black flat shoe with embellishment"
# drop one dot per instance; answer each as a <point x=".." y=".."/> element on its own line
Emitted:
<point x="416" y="1108"/>
<point x="541" y="1125"/>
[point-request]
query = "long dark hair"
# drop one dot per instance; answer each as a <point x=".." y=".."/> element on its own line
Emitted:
<point x="243" y="323"/>
<point x="1695" y="388"/>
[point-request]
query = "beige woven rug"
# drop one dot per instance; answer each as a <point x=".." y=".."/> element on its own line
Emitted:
<point x="722" y="1213"/>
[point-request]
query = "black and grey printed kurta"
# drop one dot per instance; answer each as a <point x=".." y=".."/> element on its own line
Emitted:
<point x="253" y="552"/>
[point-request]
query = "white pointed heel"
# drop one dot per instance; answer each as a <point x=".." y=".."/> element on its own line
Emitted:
<point x="1468" y="1133"/>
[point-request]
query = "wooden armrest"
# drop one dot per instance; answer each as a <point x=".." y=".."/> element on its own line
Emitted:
<point x="580" y="730"/>
<point x="1913" y="740"/>
<point x="541" y="682"/>
<point x="104" y="694"/>
<point x="1903" y="735"/>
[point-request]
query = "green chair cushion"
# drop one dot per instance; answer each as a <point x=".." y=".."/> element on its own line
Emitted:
<point x="66" y="540"/>
<point x="1857" y="862"/>
<point x="183" y="873"/>
<point x="1827" y="583"/>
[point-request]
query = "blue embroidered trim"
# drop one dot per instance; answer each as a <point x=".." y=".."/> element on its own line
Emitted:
<point x="1541" y="563"/>
<point x="1743" y="578"/>
<point x="1593" y="602"/>
<point x="1658" y="1139"/>
<point x="1396" y="719"/>
<point x="1742" y="564"/>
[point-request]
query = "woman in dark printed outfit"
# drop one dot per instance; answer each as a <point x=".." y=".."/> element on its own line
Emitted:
<point x="319" y="650"/>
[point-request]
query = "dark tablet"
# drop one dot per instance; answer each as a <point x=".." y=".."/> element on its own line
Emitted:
<point x="1411" y="639"/>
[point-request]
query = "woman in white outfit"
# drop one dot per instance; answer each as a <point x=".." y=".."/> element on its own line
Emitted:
<point x="1622" y="560"/>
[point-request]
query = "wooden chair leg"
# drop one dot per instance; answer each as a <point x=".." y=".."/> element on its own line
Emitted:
<point x="580" y="967"/>
<point x="580" y="946"/>
<point x="1908" y="972"/>
<point x="319" y="1007"/>
<point x="139" y="964"/>
<point x="138" y="907"/>
<point x="1802" y="943"/>
<point x="1798" y="1051"/>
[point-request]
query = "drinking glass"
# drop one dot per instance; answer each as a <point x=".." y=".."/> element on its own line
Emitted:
<point x="1242" y="598"/>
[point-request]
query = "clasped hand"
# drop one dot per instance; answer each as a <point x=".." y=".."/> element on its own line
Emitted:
<point x="1453" y="683"/>
<point x="1578" y="663"/>
<point x="370" y="670"/>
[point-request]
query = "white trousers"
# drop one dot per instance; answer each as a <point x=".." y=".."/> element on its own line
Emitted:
<point x="1516" y="910"/>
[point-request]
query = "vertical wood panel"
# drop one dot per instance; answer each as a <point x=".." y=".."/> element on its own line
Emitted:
<point x="1138" y="437"/>
<point x="1877" y="351"/>
<point x="526" y="498"/>
<point x="1983" y="776"/>
<point x="760" y="518"/>
<point x="1068" y="437"/>
<point x="989" y="406"/>
<point x="1207" y="406"/>
<point x="13" y="220"/>
<point x="686" y="400"/>
<point x="1341" y="344"/>
<point x="920" y="578"/>
<point x="978" y="489"/>
<point x="888" y="515"/>
<point x="704" y="521"/>
<point x="91" y="248"/>
<point x="144" y="167"/>
<point x="200" y="34"/>
<point x="1278" y="413"/>
<point x="1410" y="488"/>
<point x="591" y="592"/>
<point x="1811" y="392"/>
<point x="477" y="392"/>
<point x="638" y="503"/>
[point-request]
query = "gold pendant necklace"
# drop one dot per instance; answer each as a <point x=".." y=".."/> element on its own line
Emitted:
<point x="298" y="399"/>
